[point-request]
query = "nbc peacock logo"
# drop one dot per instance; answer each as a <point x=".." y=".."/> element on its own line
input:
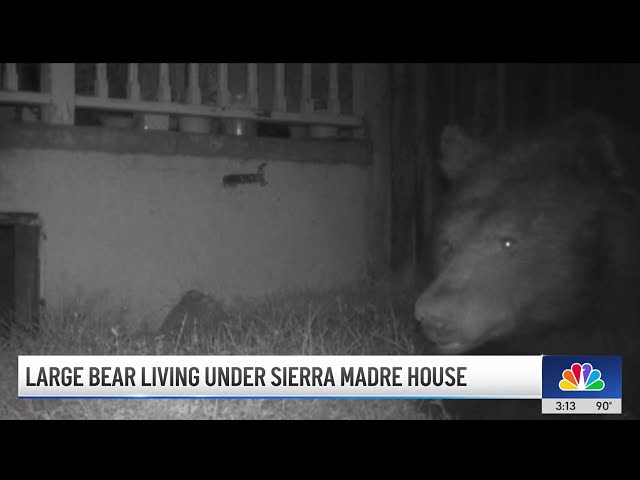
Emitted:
<point x="581" y="377"/>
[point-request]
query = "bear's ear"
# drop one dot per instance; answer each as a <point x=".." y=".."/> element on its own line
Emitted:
<point x="613" y="164"/>
<point x="599" y="157"/>
<point x="458" y="151"/>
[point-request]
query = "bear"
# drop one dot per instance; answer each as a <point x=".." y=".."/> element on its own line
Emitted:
<point x="536" y="249"/>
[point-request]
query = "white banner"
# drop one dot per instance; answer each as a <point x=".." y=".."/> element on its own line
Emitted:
<point x="280" y="376"/>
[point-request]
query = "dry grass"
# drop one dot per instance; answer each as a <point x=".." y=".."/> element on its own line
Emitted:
<point x="374" y="322"/>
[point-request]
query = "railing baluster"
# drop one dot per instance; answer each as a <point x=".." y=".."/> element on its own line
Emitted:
<point x="223" y="85"/>
<point x="101" y="86"/>
<point x="421" y="117"/>
<point x="133" y="85"/>
<point x="252" y="72"/>
<point x="334" y="96"/>
<point x="194" y="95"/>
<point x="502" y="97"/>
<point x="306" y="101"/>
<point x="279" y="97"/>
<point x="59" y="80"/>
<point x="358" y="94"/>
<point x="164" y="87"/>
<point x="358" y="88"/>
<point x="452" y="93"/>
<point x="11" y="77"/>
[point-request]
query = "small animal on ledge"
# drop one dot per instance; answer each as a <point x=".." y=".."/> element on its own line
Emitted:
<point x="236" y="179"/>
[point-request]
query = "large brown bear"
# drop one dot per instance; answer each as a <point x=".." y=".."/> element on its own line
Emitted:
<point x="537" y="247"/>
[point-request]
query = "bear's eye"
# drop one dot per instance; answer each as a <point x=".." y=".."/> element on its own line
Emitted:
<point x="507" y="243"/>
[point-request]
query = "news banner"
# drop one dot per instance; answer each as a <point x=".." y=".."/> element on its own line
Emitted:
<point x="565" y="384"/>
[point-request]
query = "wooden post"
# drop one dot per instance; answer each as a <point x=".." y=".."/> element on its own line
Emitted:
<point x="10" y="77"/>
<point x="164" y="86"/>
<point x="223" y="85"/>
<point x="133" y="85"/>
<point x="252" y="84"/>
<point x="519" y="116"/>
<point x="452" y="93"/>
<point x="567" y="74"/>
<point x="629" y="96"/>
<point x="359" y="95"/>
<point x="403" y="137"/>
<point x="479" y="97"/>
<point x="58" y="79"/>
<point x="334" y="95"/>
<point x="194" y="95"/>
<point x="307" y="101"/>
<point x="279" y="97"/>
<point x="502" y="97"/>
<point x="101" y="86"/>
<point x="425" y="182"/>
<point x="376" y="107"/>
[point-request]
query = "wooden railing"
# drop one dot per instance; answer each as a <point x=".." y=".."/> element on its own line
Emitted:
<point x="58" y="98"/>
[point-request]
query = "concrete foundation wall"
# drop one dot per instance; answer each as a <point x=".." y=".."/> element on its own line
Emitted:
<point x="142" y="221"/>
